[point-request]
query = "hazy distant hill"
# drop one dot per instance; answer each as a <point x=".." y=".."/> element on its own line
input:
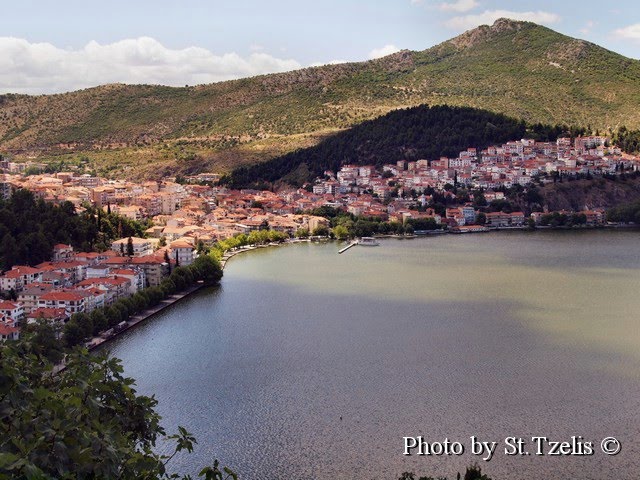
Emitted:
<point x="517" y="68"/>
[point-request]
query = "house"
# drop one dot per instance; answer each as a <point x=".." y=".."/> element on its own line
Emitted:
<point x="30" y="295"/>
<point x="75" y="271"/>
<point x="498" y="219"/>
<point x="18" y="277"/>
<point x="155" y="267"/>
<point x="182" y="252"/>
<point x="517" y="218"/>
<point x="98" y="271"/>
<point x="141" y="246"/>
<point x="72" y="302"/>
<point x="135" y="276"/>
<point x="116" y="287"/>
<point x="8" y="333"/>
<point x="62" y="252"/>
<point x="52" y="315"/>
<point x="12" y="312"/>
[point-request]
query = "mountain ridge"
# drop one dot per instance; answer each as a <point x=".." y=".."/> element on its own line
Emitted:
<point x="516" y="68"/>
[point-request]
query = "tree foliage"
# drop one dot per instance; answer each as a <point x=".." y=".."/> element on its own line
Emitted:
<point x="629" y="213"/>
<point x="628" y="140"/>
<point x="407" y="134"/>
<point x="85" y="422"/>
<point x="82" y="326"/>
<point x="30" y="227"/>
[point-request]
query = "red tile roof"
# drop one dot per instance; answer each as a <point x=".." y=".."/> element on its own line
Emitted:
<point x="19" y="271"/>
<point x="47" y="313"/>
<point x="5" y="330"/>
<point x="62" y="296"/>
<point x="8" y="305"/>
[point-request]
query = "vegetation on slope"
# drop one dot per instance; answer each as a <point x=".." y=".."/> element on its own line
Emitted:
<point x="30" y="227"/>
<point x="516" y="68"/>
<point x="608" y="191"/>
<point x="408" y="134"/>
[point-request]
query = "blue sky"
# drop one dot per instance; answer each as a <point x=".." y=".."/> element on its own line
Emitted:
<point x="68" y="44"/>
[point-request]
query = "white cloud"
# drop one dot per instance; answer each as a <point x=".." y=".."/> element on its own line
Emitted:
<point x="459" y="6"/>
<point x="383" y="52"/>
<point x="44" y="68"/>
<point x="587" y="27"/>
<point x="330" y="62"/>
<point x="417" y="2"/>
<point x="487" y="17"/>
<point x="632" y="32"/>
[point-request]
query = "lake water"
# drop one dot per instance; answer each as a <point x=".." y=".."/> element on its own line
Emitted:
<point x="307" y="364"/>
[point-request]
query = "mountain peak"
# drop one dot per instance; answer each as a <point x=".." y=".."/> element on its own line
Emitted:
<point x="486" y="32"/>
<point x="507" y="24"/>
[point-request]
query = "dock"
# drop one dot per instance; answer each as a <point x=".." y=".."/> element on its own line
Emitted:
<point x="348" y="247"/>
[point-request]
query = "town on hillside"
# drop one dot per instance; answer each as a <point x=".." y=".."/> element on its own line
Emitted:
<point x="190" y="214"/>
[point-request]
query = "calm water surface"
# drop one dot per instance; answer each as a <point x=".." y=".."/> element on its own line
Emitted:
<point x="495" y="335"/>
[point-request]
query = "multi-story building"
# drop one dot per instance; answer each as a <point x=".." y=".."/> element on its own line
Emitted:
<point x="182" y="252"/>
<point x="18" y="277"/>
<point x="72" y="302"/>
<point x="12" y="312"/>
<point x="141" y="246"/>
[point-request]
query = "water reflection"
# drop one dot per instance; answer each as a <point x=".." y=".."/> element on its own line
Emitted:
<point x="445" y="337"/>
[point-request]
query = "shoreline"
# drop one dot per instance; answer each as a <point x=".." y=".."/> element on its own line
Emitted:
<point x="133" y="322"/>
<point x="136" y="320"/>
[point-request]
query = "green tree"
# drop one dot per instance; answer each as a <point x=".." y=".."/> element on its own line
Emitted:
<point x="130" y="247"/>
<point x="207" y="269"/>
<point x="302" y="233"/>
<point x="73" y="334"/>
<point x="86" y="422"/>
<point x="320" y="231"/>
<point x="100" y="321"/>
<point x="341" y="232"/>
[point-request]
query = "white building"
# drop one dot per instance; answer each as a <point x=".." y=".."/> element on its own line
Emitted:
<point x="141" y="246"/>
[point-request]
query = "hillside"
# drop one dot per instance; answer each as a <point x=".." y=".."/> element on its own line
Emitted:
<point x="599" y="192"/>
<point x="517" y="68"/>
<point x="403" y="134"/>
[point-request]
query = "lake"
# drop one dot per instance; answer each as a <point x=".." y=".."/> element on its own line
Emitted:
<point x="307" y="364"/>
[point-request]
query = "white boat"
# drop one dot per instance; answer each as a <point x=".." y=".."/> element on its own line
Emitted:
<point x="368" y="242"/>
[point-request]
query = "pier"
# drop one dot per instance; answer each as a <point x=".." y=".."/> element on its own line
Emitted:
<point x="348" y="247"/>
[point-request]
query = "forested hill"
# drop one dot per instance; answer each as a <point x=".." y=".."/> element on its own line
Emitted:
<point x="516" y="68"/>
<point x="409" y="134"/>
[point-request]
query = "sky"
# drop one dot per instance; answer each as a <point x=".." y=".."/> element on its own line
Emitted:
<point x="51" y="47"/>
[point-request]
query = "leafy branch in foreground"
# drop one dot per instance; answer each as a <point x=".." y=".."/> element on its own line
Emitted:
<point x="84" y="422"/>
<point x="474" y="472"/>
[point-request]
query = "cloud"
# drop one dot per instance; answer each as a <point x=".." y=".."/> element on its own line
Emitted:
<point x="632" y="32"/>
<point x="459" y="6"/>
<point x="44" y="68"/>
<point x="587" y="27"/>
<point x="383" y="52"/>
<point x="487" y="17"/>
<point x="330" y="62"/>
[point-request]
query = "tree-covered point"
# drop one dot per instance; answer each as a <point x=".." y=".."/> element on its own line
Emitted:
<point x="345" y="225"/>
<point x="256" y="237"/>
<point x="85" y="422"/>
<point x="30" y="227"/>
<point x="407" y="134"/>
<point x="628" y="140"/>
<point x="629" y="213"/>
